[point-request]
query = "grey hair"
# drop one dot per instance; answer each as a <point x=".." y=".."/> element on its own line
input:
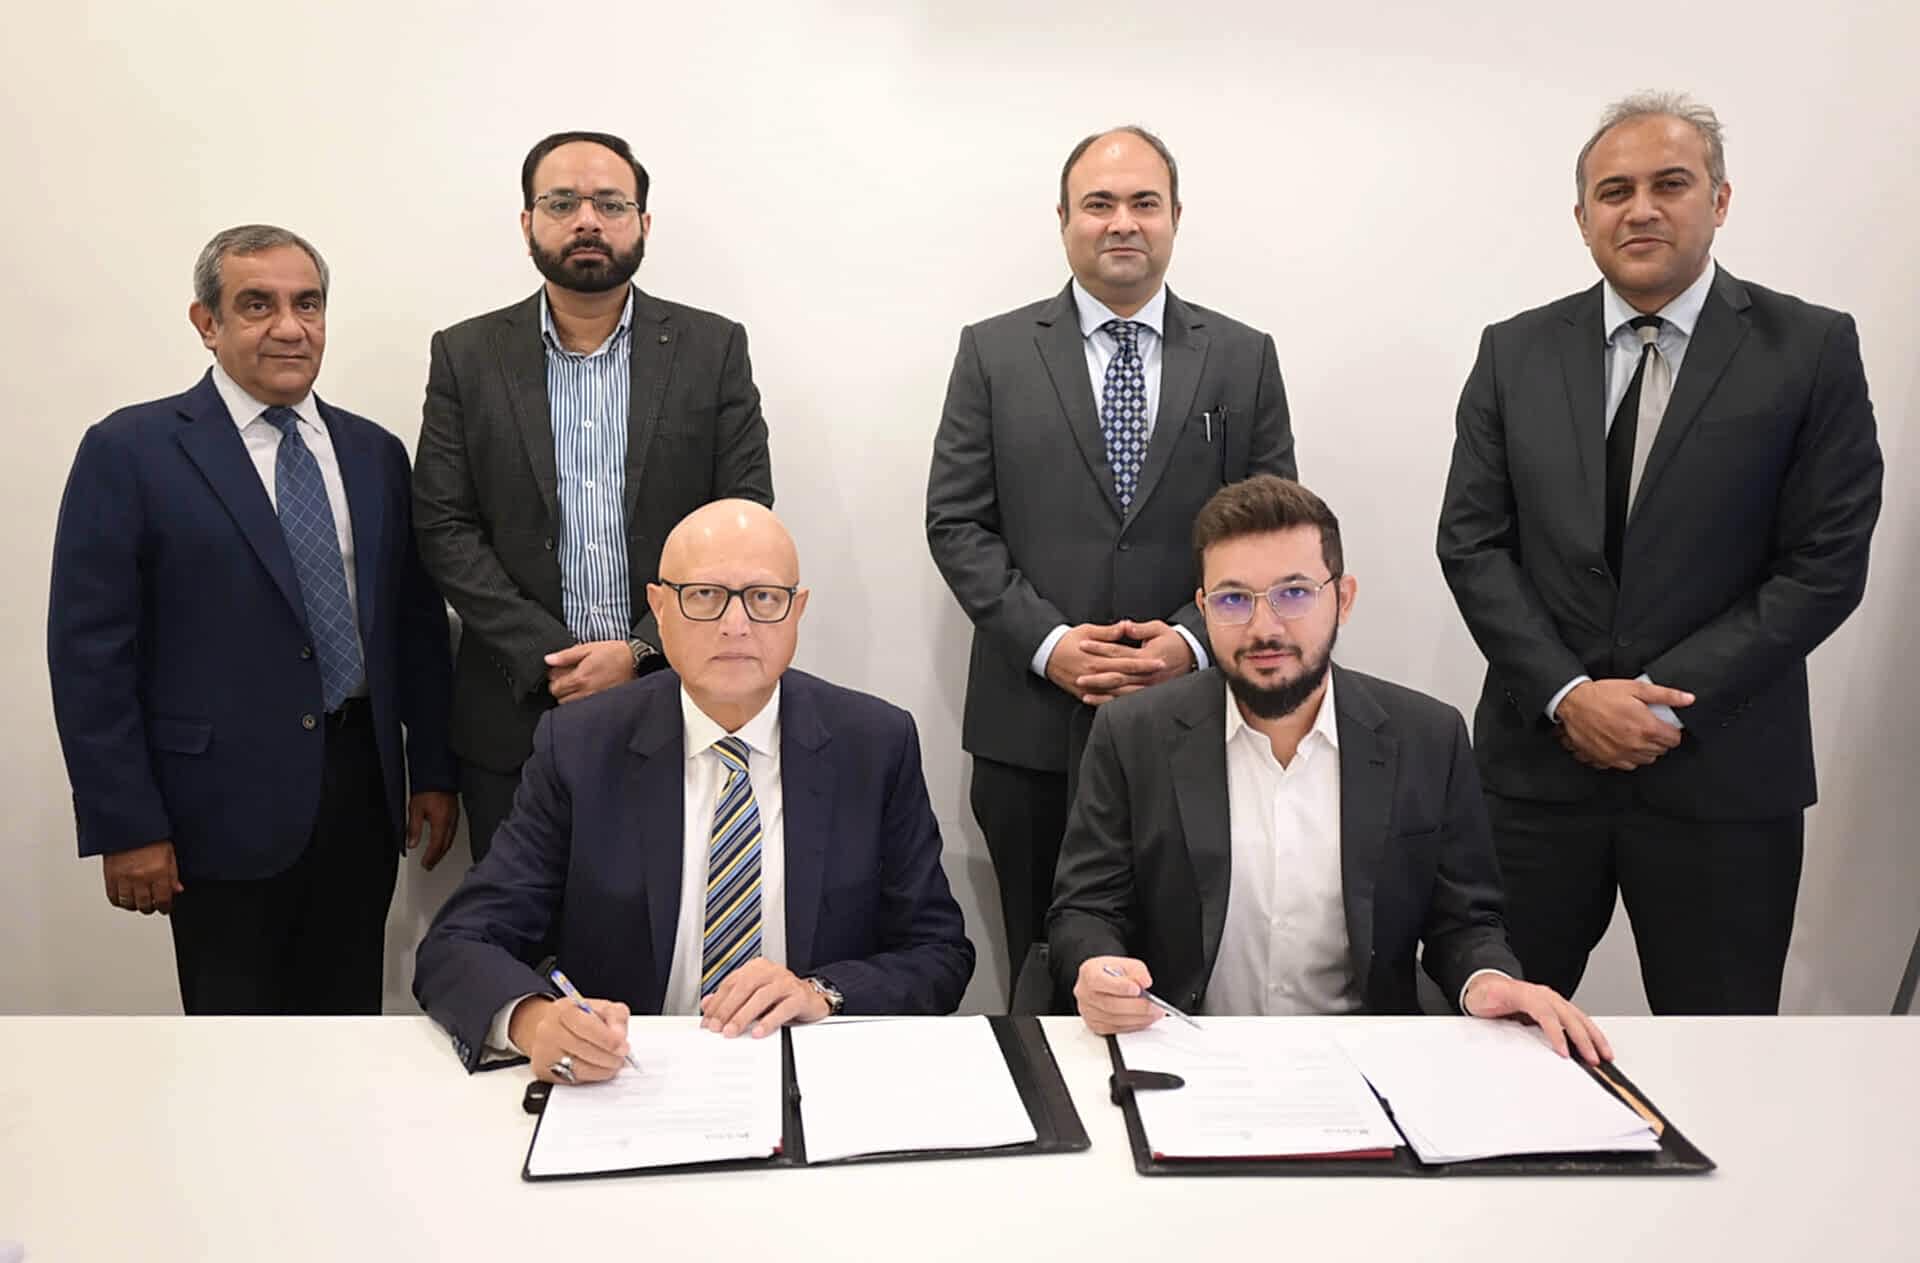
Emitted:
<point x="245" y="239"/>
<point x="1671" y="104"/>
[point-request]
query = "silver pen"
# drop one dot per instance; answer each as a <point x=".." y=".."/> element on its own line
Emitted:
<point x="1153" y="999"/>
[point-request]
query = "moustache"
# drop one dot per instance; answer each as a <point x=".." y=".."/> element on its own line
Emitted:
<point x="592" y="243"/>
<point x="1265" y="646"/>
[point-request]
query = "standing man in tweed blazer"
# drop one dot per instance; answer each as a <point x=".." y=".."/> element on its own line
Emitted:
<point x="562" y="439"/>
<point x="1081" y="435"/>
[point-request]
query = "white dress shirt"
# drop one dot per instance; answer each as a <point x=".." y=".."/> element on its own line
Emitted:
<point x="705" y="776"/>
<point x="1283" y="949"/>
<point x="263" y="446"/>
<point x="1624" y="349"/>
<point x="1101" y="347"/>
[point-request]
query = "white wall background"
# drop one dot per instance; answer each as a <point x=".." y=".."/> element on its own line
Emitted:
<point x="1370" y="182"/>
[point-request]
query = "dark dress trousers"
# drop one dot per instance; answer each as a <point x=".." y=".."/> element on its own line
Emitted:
<point x="1745" y="547"/>
<point x="1147" y="863"/>
<point x="188" y="699"/>
<point x="590" y="861"/>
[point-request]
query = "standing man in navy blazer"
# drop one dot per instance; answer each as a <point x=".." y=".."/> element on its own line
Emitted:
<point x="1662" y="495"/>
<point x="247" y="657"/>
<point x="728" y="838"/>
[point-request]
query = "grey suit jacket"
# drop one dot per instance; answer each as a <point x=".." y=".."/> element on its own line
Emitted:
<point x="1745" y="547"/>
<point x="486" y="498"/>
<point x="1022" y="517"/>
<point x="1147" y="861"/>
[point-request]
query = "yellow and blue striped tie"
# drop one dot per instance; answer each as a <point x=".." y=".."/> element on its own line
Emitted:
<point x="732" y="936"/>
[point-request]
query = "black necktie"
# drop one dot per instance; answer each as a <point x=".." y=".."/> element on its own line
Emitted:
<point x="1620" y="439"/>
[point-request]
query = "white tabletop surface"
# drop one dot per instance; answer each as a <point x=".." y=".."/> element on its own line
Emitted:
<point x="160" y="1139"/>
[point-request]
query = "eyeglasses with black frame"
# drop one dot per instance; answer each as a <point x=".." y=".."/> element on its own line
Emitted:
<point x="565" y="204"/>
<point x="1289" y="599"/>
<point x="707" y="602"/>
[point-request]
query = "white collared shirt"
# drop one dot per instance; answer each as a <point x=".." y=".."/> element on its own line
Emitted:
<point x="704" y="777"/>
<point x="1101" y="347"/>
<point x="1284" y="947"/>
<point x="263" y="446"/>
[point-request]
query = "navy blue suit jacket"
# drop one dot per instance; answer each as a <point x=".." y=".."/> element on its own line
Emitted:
<point x="590" y="861"/>
<point x="185" y="687"/>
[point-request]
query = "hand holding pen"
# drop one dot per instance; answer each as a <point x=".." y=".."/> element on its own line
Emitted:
<point x="1113" y="995"/>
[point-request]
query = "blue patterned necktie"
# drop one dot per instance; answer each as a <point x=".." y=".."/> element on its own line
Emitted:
<point x="732" y="934"/>
<point x="1123" y="409"/>
<point x="306" y="519"/>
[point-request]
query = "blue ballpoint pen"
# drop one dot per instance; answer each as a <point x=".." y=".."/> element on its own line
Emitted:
<point x="560" y="981"/>
<point x="1153" y="999"/>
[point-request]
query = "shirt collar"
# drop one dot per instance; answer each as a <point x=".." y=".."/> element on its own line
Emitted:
<point x="552" y="335"/>
<point x="245" y="409"/>
<point x="1324" y="723"/>
<point x="1682" y="313"/>
<point x="761" y="733"/>
<point x="1094" y="313"/>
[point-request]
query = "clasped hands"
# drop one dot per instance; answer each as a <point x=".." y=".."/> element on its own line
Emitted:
<point x="1608" y="723"/>
<point x="1093" y="663"/>
<point x="756" y="999"/>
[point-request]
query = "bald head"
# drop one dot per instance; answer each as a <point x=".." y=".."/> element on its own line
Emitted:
<point x="734" y="532"/>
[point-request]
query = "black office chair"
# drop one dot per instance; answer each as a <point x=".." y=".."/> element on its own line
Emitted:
<point x="1903" y="998"/>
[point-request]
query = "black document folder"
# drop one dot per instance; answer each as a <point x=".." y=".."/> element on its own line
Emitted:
<point x="1029" y="1058"/>
<point x="1676" y="1155"/>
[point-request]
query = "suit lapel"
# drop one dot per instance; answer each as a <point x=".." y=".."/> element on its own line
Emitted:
<point x="1583" y="365"/>
<point x="651" y="343"/>
<point x="807" y="784"/>
<point x="1368" y="755"/>
<point x="1722" y="325"/>
<point x="1064" y="353"/>
<point x="359" y="464"/>
<point x="523" y="359"/>
<point x="1183" y="354"/>
<point x="656" y="808"/>
<point x="1199" y="760"/>
<point x="213" y="443"/>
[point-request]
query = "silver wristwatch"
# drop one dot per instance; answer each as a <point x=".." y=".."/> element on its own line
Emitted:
<point x="828" y="992"/>
<point x="641" y="651"/>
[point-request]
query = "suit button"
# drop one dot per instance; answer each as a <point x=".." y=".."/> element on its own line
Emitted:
<point x="1624" y="642"/>
<point x="549" y="543"/>
<point x="306" y="652"/>
<point x="664" y="339"/>
<point x="1125" y="547"/>
<point x="309" y="722"/>
<point x="1596" y="572"/>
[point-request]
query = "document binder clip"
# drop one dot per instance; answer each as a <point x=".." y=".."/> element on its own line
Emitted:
<point x="1122" y="1084"/>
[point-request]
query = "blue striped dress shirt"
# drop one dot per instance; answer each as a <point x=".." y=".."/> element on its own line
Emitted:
<point x="587" y="394"/>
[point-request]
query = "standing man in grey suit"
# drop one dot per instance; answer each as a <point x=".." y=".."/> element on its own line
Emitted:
<point x="1080" y="436"/>
<point x="1662" y="494"/>
<point x="562" y="439"/>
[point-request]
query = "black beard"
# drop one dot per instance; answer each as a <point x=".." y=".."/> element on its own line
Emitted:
<point x="588" y="278"/>
<point x="1282" y="699"/>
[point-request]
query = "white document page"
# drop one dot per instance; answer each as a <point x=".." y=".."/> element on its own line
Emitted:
<point x="697" y="1097"/>
<point x="905" y="1084"/>
<point x="1255" y="1088"/>
<point x="1463" y="1088"/>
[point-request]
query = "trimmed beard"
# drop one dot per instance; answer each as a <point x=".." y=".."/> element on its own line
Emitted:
<point x="588" y="278"/>
<point x="1282" y="699"/>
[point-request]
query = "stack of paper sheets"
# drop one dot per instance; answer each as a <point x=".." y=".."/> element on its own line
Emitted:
<point x="1254" y="1089"/>
<point x="895" y="1085"/>
<point x="1462" y="1089"/>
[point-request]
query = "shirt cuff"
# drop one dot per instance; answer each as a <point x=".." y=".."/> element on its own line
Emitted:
<point x="1040" y="656"/>
<point x="500" y="1045"/>
<point x="1200" y="660"/>
<point x="1661" y="711"/>
<point x="1553" y="706"/>
<point x="1462" y="1004"/>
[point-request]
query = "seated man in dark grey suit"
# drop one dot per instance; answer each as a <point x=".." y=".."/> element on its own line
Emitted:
<point x="728" y="838"/>
<point x="1274" y="835"/>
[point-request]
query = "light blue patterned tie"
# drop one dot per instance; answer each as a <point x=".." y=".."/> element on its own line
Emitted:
<point x="1123" y="409"/>
<point x="306" y="519"/>
<point x="732" y="934"/>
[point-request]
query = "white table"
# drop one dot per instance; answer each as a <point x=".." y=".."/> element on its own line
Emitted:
<point x="283" y="1139"/>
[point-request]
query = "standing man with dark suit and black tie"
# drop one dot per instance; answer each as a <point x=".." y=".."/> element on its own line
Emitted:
<point x="562" y="438"/>
<point x="238" y="631"/>
<point x="1661" y="500"/>
<point x="1080" y="436"/>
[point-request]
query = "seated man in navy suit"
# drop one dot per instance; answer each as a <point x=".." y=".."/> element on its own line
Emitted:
<point x="728" y="838"/>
